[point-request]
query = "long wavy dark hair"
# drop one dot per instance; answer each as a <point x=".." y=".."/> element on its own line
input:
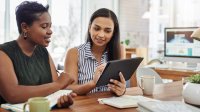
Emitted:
<point x="113" y="47"/>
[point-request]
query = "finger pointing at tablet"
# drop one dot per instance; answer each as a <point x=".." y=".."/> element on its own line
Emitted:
<point x="98" y="73"/>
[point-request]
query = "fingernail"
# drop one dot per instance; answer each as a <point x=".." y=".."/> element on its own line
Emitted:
<point x="111" y="80"/>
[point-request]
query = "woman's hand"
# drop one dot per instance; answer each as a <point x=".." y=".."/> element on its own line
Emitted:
<point x="98" y="73"/>
<point x="66" y="100"/>
<point x="119" y="88"/>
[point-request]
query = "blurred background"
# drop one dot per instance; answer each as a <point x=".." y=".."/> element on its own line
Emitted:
<point x="142" y="23"/>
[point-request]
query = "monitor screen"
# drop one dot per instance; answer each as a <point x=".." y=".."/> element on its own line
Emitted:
<point x="178" y="44"/>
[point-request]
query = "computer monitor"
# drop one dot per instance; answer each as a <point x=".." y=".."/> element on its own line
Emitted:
<point x="180" y="47"/>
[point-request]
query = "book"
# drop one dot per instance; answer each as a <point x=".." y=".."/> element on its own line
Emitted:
<point x="125" y="101"/>
<point x="166" y="106"/>
<point x="52" y="99"/>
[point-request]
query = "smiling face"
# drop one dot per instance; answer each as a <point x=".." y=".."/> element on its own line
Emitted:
<point x="39" y="33"/>
<point x="101" y="31"/>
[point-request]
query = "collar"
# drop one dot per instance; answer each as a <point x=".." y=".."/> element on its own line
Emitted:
<point x="88" y="52"/>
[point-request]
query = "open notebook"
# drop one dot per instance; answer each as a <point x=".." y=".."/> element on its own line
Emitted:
<point x="52" y="98"/>
<point x="125" y="101"/>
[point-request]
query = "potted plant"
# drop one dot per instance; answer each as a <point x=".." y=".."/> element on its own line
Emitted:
<point x="191" y="90"/>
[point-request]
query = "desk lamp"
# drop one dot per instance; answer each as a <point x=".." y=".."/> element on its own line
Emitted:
<point x="196" y="34"/>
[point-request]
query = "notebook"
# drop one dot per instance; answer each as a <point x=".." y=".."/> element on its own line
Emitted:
<point x="52" y="98"/>
<point x="125" y="101"/>
<point x="166" y="106"/>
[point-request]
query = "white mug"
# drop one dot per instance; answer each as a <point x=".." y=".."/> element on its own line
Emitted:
<point x="147" y="84"/>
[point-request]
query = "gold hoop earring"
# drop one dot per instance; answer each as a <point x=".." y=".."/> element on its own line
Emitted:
<point x="25" y="35"/>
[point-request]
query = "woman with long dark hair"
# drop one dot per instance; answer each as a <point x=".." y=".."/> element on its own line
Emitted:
<point x="86" y="62"/>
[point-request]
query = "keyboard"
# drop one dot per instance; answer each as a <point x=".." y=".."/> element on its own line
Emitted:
<point x="182" y="68"/>
<point x="165" y="66"/>
<point x="166" y="106"/>
<point x="162" y="66"/>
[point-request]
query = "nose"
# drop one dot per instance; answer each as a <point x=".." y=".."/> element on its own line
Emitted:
<point x="49" y="32"/>
<point x="101" y="34"/>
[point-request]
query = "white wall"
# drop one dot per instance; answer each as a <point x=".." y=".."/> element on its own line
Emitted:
<point x="132" y="25"/>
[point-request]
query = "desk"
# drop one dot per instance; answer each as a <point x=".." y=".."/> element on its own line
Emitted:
<point x="173" y="74"/>
<point x="89" y="102"/>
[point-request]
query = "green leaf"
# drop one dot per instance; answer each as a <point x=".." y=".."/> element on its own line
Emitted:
<point x="127" y="42"/>
<point x="194" y="78"/>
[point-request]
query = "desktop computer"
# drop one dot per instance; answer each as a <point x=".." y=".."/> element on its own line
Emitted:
<point x="180" y="50"/>
<point x="180" y="47"/>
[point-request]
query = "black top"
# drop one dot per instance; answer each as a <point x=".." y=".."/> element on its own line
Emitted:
<point x="30" y="70"/>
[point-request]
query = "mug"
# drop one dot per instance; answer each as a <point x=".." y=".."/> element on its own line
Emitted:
<point x="147" y="84"/>
<point x="37" y="104"/>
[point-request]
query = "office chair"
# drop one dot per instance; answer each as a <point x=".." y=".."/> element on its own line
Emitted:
<point x="147" y="71"/>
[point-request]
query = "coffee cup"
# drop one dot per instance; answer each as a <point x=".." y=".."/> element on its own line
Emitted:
<point x="37" y="104"/>
<point x="147" y="84"/>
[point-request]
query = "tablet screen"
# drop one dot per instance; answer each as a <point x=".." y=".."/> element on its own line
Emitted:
<point x="112" y="69"/>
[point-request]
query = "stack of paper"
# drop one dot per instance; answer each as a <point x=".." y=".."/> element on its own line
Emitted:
<point x="166" y="106"/>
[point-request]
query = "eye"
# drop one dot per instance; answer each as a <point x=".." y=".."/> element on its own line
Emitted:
<point x="96" y="28"/>
<point x="108" y="31"/>
<point x="44" y="26"/>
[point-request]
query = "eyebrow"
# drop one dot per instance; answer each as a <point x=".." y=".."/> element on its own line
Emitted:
<point x="45" y="23"/>
<point x="105" y="28"/>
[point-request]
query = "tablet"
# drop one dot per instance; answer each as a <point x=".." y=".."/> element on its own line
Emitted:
<point x="112" y="69"/>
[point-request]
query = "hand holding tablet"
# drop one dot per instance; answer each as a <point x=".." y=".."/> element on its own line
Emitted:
<point x="118" y="87"/>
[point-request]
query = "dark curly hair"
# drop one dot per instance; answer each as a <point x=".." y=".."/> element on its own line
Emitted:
<point x="29" y="12"/>
<point x="113" y="46"/>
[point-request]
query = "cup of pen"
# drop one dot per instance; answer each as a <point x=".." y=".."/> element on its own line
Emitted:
<point x="37" y="104"/>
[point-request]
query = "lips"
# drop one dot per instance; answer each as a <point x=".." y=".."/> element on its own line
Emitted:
<point x="47" y="39"/>
<point x="99" y="41"/>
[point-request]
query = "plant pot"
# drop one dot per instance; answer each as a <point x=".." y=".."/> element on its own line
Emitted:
<point x="191" y="93"/>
